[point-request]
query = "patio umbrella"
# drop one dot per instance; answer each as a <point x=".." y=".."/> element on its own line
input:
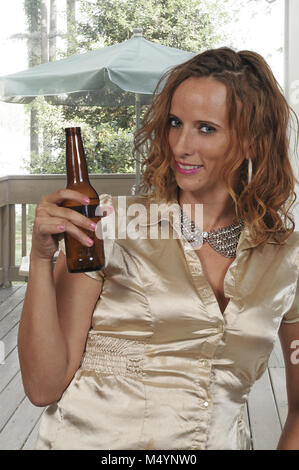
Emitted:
<point x="119" y="75"/>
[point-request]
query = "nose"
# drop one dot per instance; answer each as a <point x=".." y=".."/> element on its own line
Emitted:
<point x="181" y="142"/>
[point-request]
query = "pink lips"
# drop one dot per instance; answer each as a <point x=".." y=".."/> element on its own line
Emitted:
<point x="185" y="171"/>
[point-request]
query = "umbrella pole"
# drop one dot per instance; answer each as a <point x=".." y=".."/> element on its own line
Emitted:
<point x="137" y="111"/>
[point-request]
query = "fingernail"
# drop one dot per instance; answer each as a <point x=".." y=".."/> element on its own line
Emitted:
<point x="89" y="241"/>
<point x="61" y="227"/>
<point x="86" y="200"/>
<point x="93" y="225"/>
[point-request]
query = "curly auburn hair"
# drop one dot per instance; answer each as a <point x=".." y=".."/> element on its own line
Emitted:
<point x="259" y="130"/>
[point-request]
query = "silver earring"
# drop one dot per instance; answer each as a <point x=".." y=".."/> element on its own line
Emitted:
<point x="249" y="170"/>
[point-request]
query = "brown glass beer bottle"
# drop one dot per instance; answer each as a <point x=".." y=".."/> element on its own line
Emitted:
<point x="81" y="258"/>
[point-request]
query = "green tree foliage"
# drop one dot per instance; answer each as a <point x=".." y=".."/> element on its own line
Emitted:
<point x="192" y="25"/>
<point x="107" y="146"/>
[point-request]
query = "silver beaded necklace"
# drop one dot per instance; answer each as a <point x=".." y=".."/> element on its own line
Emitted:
<point x="223" y="240"/>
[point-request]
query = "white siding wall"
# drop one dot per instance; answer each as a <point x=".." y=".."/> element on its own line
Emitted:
<point x="292" y="74"/>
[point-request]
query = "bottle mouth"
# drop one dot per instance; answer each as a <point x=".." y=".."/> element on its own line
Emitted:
<point x="72" y="130"/>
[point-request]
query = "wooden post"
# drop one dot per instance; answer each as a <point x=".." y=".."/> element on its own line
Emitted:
<point x="24" y="230"/>
<point x="6" y="244"/>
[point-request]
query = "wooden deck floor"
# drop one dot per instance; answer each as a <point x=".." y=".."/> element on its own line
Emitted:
<point x="19" y="419"/>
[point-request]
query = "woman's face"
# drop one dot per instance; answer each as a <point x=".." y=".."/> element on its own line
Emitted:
<point x="199" y="135"/>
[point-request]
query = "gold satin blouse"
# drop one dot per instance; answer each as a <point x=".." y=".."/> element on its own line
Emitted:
<point x="163" y="368"/>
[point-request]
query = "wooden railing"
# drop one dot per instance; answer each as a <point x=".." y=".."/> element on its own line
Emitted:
<point x="28" y="189"/>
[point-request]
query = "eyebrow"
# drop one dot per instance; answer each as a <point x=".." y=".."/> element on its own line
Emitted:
<point x="199" y="121"/>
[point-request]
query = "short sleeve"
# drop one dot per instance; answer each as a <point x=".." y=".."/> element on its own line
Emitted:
<point x="98" y="275"/>
<point x="292" y="316"/>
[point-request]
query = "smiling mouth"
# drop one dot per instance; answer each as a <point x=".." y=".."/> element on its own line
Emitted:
<point x="184" y="166"/>
<point x="185" y="169"/>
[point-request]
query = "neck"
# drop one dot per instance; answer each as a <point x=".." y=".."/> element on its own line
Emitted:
<point x="212" y="214"/>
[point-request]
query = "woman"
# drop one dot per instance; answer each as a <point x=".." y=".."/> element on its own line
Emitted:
<point x="161" y="348"/>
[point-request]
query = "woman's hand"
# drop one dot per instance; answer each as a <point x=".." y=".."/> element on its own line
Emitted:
<point x="51" y="220"/>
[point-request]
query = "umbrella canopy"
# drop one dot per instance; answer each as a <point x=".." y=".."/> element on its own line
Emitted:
<point x="110" y="76"/>
<point x="120" y="75"/>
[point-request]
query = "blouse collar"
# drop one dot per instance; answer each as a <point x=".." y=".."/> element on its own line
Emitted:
<point x="170" y="211"/>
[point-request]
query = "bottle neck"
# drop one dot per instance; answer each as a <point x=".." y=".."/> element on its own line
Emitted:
<point x="75" y="160"/>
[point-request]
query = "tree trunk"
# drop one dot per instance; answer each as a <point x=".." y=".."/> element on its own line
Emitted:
<point x="32" y="9"/>
<point x="44" y="31"/>
<point x="53" y="31"/>
<point x="45" y="58"/>
<point x="71" y="25"/>
<point x="34" y="145"/>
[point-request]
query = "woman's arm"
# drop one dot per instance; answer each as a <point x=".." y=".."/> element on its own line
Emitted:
<point x="289" y="339"/>
<point x="55" y="321"/>
<point x="58" y="306"/>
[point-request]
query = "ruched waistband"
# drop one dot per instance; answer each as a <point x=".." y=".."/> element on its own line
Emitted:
<point x="111" y="355"/>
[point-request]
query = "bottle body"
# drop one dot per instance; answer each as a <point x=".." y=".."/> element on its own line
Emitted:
<point x="81" y="258"/>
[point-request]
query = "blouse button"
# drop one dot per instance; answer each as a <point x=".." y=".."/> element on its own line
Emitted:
<point x="220" y="327"/>
<point x="204" y="404"/>
<point x="203" y="363"/>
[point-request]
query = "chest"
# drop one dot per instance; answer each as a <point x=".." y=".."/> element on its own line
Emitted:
<point x="215" y="267"/>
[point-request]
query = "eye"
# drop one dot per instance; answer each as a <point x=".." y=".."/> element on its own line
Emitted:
<point x="174" y="122"/>
<point x="206" y="129"/>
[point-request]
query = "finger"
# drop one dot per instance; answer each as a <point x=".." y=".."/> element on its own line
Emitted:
<point x="44" y="227"/>
<point x="65" y="213"/>
<point x="62" y="194"/>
